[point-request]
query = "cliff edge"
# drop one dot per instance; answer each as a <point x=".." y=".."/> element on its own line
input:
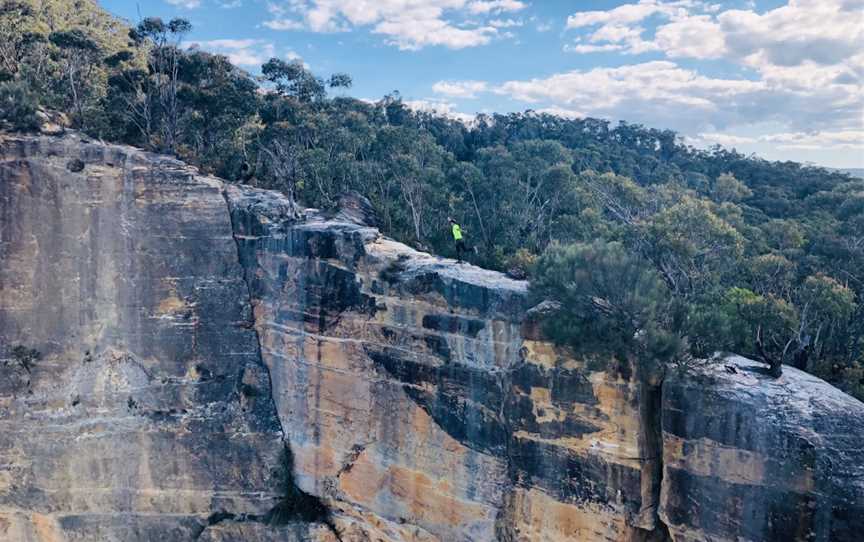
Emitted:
<point x="217" y="364"/>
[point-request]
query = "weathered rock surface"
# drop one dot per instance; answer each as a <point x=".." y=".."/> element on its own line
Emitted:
<point x="150" y="408"/>
<point x="415" y="391"/>
<point x="213" y="355"/>
<point x="750" y="458"/>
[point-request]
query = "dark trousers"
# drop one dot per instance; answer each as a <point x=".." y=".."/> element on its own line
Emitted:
<point x="460" y="249"/>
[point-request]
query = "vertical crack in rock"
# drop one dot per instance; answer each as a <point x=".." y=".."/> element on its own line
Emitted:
<point x="505" y="528"/>
<point x="295" y="504"/>
<point x="651" y="408"/>
<point x="470" y="425"/>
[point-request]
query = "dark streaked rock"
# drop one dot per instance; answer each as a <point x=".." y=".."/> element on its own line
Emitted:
<point x="748" y="457"/>
<point x="219" y="364"/>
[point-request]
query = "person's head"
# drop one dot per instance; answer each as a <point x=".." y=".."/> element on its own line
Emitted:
<point x="450" y="220"/>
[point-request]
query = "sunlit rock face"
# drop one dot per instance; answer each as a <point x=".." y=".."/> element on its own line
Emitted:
<point x="421" y="402"/>
<point x="220" y="365"/>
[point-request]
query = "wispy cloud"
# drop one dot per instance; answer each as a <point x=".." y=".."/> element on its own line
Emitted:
<point x="802" y="68"/>
<point x="187" y="4"/>
<point x="248" y="53"/>
<point x="495" y="6"/>
<point x="459" y="89"/>
<point x="505" y="23"/>
<point x="840" y="139"/>
<point x="662" y="93"/>
<point x="406" y="24"/>
<point x="439" y="107"/>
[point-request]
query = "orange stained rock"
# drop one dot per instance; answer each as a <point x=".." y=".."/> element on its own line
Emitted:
<point x="170" y="305"/>
<point x="705" y="457"/>
<point x="429" y="500"/>
<point x="537" y="517"/>
<point x="46" y="528"/>
<point x="317" y="462"/>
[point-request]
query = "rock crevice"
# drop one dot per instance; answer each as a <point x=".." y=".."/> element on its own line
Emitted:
<point x="295" y="504"/>
<point x="275" y="373"/>
<point x="534" y="442"/>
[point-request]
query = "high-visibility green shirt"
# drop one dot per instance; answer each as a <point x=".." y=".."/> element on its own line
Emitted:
<point x="457" y="232"/>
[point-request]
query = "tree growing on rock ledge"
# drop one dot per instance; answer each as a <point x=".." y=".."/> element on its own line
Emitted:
<point x="793" y="333"/>
<point x="611" y="304"/>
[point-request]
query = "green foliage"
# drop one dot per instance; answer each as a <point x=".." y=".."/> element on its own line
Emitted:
<point x="18" y="106"/>
<point x="523" y="260"/>
<point x="729" y="189"/>
<point x="784" y="234"/>
<point x="55" y="48"/>
<point x="742" y="248"/>
<point x="293" y="79"/>
<point x="74" y="40"/>
<point x="613" y="304"/>
<point x="690" y="244"/>
<point x="340" y="80"/>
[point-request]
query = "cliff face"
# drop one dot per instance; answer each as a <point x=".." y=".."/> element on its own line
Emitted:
<point x="420" y="402"/>
<point x="752" y="458"/>
<point x="150" y="407"/>
<point x="217" y="364"/>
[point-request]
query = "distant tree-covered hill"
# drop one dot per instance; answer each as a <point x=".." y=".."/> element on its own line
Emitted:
<point x="655" y="249"/>
<point x="853" y="172"/>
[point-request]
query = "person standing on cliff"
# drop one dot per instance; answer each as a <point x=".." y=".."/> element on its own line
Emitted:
<point x="457" y="237"/>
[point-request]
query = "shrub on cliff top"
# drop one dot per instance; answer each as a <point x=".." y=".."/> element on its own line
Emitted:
<point x="18" y="106"/>
<point x="613" y="304"/>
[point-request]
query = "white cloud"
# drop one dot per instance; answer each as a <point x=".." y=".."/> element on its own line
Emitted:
<point x="459" y="89"/>
<point x="621" y="15"/>
<point x="658" y="85"/>
<point x="242" y="52"/>
<point x="629" y="14"/>
<point x="726" y="140"/>
<point x="562" y="112"/>
<point x="494" y="6"/>
<point x="414" y="34"/>
<point x="248" y="53"/>
<point x="821" y="31"/>
<point x="625" y="26"/>
<point x="543" y="26"/>
<point x="789" y="141"/>
<point x="284" y="24"/>
<point x="585" y="48"/>
<point x="187" y="4"/>
<point x="505" y="23"/>
<point x="802" y="62"/>
<point x="407" y="24"/>
<point x="439" y="107"/>
<point x="848" y="139"/>
<point x="695" y="37"/>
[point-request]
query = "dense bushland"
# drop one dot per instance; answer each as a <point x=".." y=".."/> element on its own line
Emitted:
<point x="654" y="248"/>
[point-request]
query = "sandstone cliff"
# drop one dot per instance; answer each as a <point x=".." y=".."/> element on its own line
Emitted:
<point x="217" y="364"/>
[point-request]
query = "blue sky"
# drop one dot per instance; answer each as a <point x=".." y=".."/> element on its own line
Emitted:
<point x="781" y="78"/>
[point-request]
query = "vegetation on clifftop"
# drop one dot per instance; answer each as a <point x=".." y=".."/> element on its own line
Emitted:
<point x="655" y="247"/>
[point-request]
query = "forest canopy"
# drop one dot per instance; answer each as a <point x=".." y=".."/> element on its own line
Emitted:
<point x="653" y="248"/>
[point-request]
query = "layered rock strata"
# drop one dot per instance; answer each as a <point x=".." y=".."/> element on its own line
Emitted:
<point x="217" y="364"/>
<point x="414" y="391"/>
<point x="149" y="409"/>
<point x="747" y="457"/>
